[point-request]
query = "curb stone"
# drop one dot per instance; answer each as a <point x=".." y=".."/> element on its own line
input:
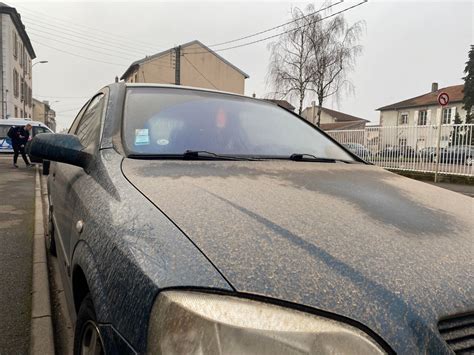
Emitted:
<point x="41" y="338"/>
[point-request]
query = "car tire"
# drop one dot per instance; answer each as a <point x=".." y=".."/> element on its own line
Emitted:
<point x="87" y="337"/>
<point x="50" y="240"/>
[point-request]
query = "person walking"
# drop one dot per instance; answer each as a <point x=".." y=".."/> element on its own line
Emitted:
<point x="19" y="136"/>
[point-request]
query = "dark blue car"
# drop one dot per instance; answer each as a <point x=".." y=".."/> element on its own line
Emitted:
<point x="195" y="222"/>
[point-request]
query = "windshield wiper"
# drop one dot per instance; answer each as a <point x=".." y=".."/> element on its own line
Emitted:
<point x="314" y="158"/>
<point x="205" y="155"/>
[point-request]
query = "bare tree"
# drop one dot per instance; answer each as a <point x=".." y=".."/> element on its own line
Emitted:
<point x="334" y="46"/>
<point x="314" y="56"/>
<point x="290" y="67"/>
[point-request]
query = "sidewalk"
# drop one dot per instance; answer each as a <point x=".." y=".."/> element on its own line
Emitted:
<point x="467" y="190"/>
<point x="17" y="191"/>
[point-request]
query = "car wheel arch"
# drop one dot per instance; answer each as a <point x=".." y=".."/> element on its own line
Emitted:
<point x="80" y="287"/>
<point x="85" y="279"/>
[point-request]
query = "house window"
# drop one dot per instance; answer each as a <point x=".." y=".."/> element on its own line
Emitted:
<point x="447" y="115"/>
<point x="16" y="111"/>
<point x="404" y="118"/>
<point x="21" y="55"/>
<point x="15" y="46"/>
<point x="22" y="98"/>
<point x="422" y="118"/>
<point x="136" y="78"/>
<point x="15" y="83"/>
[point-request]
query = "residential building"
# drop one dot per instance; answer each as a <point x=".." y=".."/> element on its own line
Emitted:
<point x="16" y="54"/>
<point x="282" y="103"/>
<point x="332" y="119"/>
<point x="190" y="64"/>
<point x="422" y="112"/>
<point x="42" y="112"/>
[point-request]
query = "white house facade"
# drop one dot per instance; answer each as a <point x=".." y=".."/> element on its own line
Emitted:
<point x="16" y="55"/>
<point x="411" y="122"/>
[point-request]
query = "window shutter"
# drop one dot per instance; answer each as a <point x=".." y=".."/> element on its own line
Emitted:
<point x="428" y="117"/>
<point x="453" y="114"/>
<point x="415" y="117"/>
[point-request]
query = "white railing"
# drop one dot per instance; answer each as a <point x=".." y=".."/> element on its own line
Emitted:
<point x="414" y="148"/>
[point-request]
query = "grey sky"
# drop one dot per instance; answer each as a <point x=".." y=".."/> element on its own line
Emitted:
<point x="407" y="44"/>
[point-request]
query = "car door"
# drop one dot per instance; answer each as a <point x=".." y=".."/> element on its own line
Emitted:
<point x="60" y="208"/>
<point x="89" y="134"/>
<point x="87" y="128"/>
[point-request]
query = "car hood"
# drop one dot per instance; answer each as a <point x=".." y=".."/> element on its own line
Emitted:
<point x="392" y="253"/>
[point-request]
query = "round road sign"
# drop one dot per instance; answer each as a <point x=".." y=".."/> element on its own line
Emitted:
<point x="443" y="99"/>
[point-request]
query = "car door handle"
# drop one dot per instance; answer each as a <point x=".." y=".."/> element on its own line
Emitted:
<point x="79" y="226"/>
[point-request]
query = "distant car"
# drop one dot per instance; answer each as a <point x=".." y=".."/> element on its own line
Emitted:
<point x="5" y="141"/>
<point x="190" y="221"/>
<point x="393" y="152"/>
<point x="456" y="155"/>
<point x="358" y="149"/>
<point x="427" y="154"/>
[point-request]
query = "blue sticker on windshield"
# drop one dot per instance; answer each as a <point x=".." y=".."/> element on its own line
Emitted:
<point x="142" y="137"/>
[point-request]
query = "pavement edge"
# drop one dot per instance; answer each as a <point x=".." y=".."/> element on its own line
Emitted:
<point x="41" y="336"/>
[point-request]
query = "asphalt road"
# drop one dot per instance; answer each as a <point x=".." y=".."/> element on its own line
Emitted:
<point x="17" y="193"/>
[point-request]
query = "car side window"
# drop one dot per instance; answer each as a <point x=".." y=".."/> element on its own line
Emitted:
<point x="88" y="129"/>
<point x="73" y="127"/>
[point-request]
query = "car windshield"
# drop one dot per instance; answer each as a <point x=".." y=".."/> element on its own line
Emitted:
<point x="166" y="121"/>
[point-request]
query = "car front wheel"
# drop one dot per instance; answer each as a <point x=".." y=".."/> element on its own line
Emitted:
<point x="87" y="337"/>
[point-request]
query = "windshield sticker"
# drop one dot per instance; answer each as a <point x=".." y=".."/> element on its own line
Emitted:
<point x="162" y="142"/>
<point x="142" y="137"/>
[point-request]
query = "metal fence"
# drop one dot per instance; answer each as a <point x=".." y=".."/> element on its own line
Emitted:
<point x="448" y="149"/>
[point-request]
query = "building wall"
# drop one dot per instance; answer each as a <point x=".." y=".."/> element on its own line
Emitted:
<point x="208" y="72"/>
<point x="393" y="117"/>
<point x="395" y="132"/>
<point x="39" y="112"/>
<point x="42" y="112"/>
<point x="159" y="70"/>
<point x="307" y="114"/>
<point x="21" y="63"/>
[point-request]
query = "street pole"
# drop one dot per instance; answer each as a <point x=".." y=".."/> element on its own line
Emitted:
<point x="443" y="100"/>
<point x="177" y="73"/>
<point x="437" y="146"/>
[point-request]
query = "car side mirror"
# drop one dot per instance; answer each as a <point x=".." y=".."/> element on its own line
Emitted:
<point x="63" y="148"/>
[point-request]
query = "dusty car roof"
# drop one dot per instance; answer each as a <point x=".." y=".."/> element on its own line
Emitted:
<point x="153" y="85"/>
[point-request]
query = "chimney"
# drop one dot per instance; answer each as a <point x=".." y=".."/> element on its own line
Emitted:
<point x="434" y="87"/>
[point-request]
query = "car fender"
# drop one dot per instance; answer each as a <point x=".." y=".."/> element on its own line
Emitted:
<point x="83" y="259"/>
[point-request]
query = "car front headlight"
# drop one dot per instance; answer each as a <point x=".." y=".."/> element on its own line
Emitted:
<point x="185" y="322"/>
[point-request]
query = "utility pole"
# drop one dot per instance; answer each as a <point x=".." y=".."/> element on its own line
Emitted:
<point x="177" y="73"/>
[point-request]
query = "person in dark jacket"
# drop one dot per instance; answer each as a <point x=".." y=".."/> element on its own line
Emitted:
<point x="19" y="137"/>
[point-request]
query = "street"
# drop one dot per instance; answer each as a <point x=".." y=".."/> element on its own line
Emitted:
<point x="16" y="232"/>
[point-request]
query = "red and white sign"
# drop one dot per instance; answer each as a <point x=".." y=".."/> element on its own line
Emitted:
<point x="443" y="99"/>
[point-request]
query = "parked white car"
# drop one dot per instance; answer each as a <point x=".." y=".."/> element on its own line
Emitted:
<point x="5" y="125"/>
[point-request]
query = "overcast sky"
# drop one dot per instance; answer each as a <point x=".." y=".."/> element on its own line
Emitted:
<point x="407" y="44"/>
